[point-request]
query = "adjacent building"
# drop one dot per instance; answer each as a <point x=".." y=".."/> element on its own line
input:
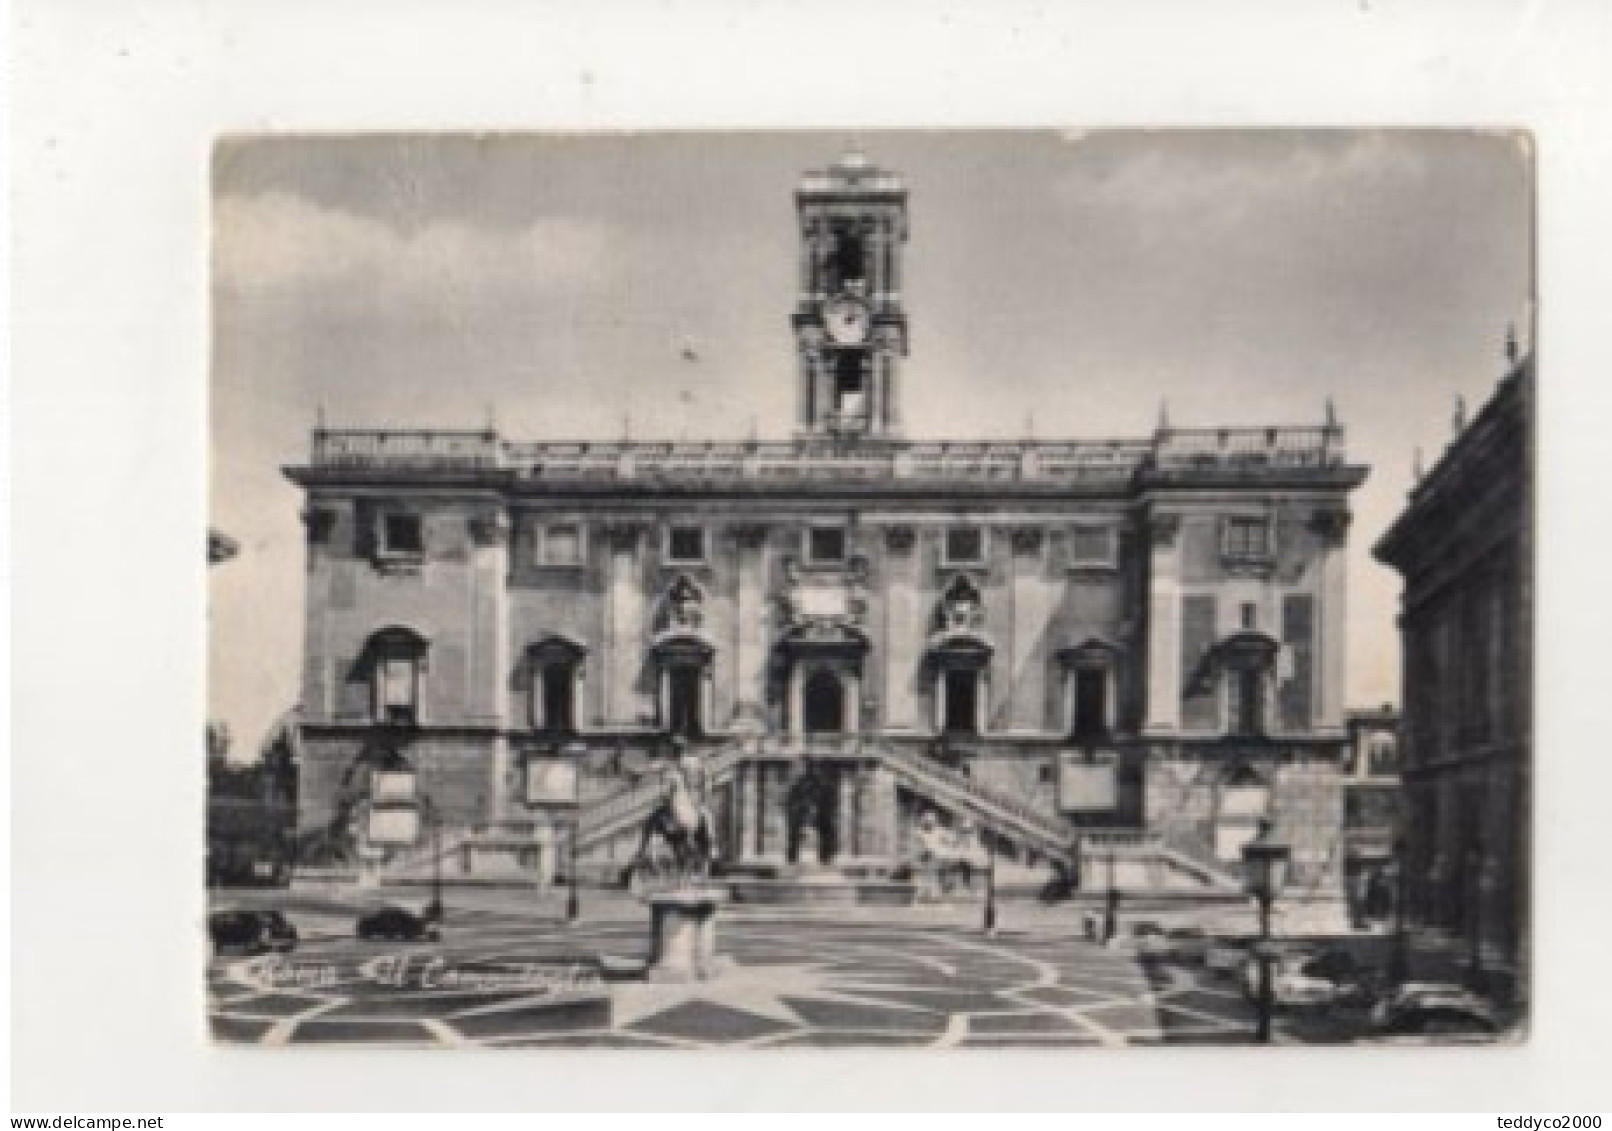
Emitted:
<point x="1129" y="648"/>
<point x="1371" y="814"/>
<point x="1464" y="545"/>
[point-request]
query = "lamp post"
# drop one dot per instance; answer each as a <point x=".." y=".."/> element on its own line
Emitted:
<point x="990" y="882"/>
<point x="1399" y="967"/>
<point x="570" y="790"/>
<point x="1475" y="932"/>
<point x="573" y="894"/>
<point x="1110" y="904"/>
<point x="434" y="909"/>
<point x="1265" y="870"/>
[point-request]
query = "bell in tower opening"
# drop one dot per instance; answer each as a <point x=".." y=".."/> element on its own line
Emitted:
<point x="850" y="326"/>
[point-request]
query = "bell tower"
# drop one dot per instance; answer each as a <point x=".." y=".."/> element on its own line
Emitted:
<point x="850" y="325"/>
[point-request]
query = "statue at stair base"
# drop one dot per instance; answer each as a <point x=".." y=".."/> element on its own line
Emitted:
<point x="947" y="859"/>
<point x="677" y="843"/>
<point x="676" y="851"/>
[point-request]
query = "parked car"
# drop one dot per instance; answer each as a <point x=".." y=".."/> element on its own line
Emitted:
<point x="1226" y="956"/>
<point x="1187" y="944"/>
<point x="1434" y="1009"/>
<point x="1304" y="977"/>
<point x="251" y="932"/>
<point x="1148" y="936"/>
<point x="398" y="924"/>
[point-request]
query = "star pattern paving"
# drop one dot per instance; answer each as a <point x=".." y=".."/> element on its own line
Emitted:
<point x="794" y="983"/>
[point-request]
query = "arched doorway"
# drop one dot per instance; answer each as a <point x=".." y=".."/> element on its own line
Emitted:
<point x="823" y="703"/>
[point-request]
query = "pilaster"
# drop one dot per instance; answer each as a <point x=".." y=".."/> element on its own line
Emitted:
<point x="750" y="627"/>
<point x="1163" y="626"/>
<point x="1332" y="622"/>
<point x="903" y="629"/>
<point x="1030" y="603"/>
<point x="488" y="662"/>
<point x="624" y="643"/>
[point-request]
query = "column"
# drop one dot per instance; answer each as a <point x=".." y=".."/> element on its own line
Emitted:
<point x="876" y="814"/>
<point x="848" y="824"/>
<point x="1331" y="622"/>
<point x="579" y="696"/>
<point x="807" y="258"/>
<point x="892" y="392"/>
<point x="819" y="253"/>
<point x="875" y="406"/>
<point x="1066" y="708"/>
<point x="319" y="699"/>
<point x="903" y="629"/>
<point x="877" y="259"/>
<point x="852" y="703"/>
<point x="895" y="269"/>
<point x="940" y="701"/>
<point x="1111" y="695"/>
<point x="626" y="637"/>
<point x="982" y="701"/>
<point x="808" y="391"/>
<point x="750" y="628"/>
<point x="742" y="833"/>
<point x="797" y="699"/>
<point x="1163" y="626"/>
<point x="774" y="777"/>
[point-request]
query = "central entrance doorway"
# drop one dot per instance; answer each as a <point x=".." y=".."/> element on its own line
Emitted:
<point x="812" y="816"/>
<point x="823" y="703"/>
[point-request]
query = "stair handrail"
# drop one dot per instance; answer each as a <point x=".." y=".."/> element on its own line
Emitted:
<point x="603" y="812"/>
<point x="1037" y="822"/>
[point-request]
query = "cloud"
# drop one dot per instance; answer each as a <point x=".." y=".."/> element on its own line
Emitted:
<point x="280" y="244"/>
<point x="1230" y="174"/>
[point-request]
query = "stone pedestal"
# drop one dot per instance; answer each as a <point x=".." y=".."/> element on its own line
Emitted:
<point x="684" y="937"/>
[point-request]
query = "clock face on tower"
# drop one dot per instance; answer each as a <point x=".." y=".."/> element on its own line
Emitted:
<point x="847" y="321"/>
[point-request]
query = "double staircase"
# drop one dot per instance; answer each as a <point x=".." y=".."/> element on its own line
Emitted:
<point x="1134" y="860"/>
<point x="627" y="808"/>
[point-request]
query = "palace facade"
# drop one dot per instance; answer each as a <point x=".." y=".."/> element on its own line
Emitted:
<point x="1464" y="547"/>
<point x="1124" y="650"/>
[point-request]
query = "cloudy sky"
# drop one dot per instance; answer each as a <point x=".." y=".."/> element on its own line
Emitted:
<point x="1067" y="283"/>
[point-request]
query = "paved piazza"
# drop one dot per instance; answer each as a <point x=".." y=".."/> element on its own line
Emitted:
<point x="513" y="978"/>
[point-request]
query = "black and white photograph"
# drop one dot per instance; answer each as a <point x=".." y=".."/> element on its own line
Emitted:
<point x="948" y="589"/>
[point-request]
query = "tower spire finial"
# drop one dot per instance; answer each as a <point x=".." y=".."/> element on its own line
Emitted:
<point x="1458" y="418"/>
<point x="1416" y="465"/>
<point x="1332" y="414"/>
<point x="1511" y="343"/>
<point x="1164" y="414"/>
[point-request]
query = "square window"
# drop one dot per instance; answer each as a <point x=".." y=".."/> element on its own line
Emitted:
<point x="1247" y="538"/>
<point x="825" y="544"/>
<point x="1092" y="546"/>
<point x="686" y="544"/>
<point x="560" y="546"/>
<point x="402" y="534"/>
<point x="965" y="545"/>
